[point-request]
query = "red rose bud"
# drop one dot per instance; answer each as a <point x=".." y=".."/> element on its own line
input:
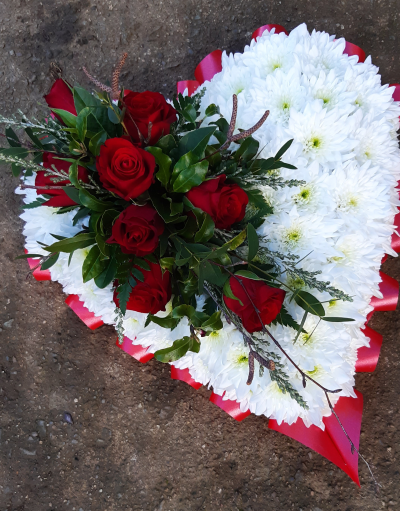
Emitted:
<point x="59" y="198"/>
<point x="125" y="169"/>
<point x="60" y="96"/>
<point x="144" y="108"/>
<point x="151" y="295"/>
<point x="226" y="204"/>
<point x="267" y="299"/>
<point x="137" y="230"/>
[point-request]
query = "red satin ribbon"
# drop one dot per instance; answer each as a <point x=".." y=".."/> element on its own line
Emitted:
<point x="396" y="92"/>
<point x="395" y="238"/>
<point x="190" y="85"/>
<point x="332" y="443"/>
<point x="38" y="274"/>
<point x="261" y="30"/>
<point x="209" y="66"/>
<point x="352" y="49"/>
<point x="367" y="357"/>
<point x="184" y="375"/>
<point x="230" y="407"/>
<point x="134" y="350"/>
<point x="83" y="312"/>
<point x="389" y="287"/>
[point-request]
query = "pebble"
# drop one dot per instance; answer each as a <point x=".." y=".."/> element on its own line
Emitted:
<point x="28" y="453"/>
<point x="8" y="324"/>
<point x="67" y="417"/>
<point x="41" y="428"/>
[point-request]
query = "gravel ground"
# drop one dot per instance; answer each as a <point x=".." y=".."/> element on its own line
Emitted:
<point x="139" y="440"/>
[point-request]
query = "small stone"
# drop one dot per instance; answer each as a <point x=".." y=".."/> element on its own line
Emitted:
<point x="41" y="428"/>
<point x="8" y="324"/>
<point x="34" y="434"/>
<point x="67" y="417"/>
<point x="28" y="453"/>
<point x="11" y="52"/>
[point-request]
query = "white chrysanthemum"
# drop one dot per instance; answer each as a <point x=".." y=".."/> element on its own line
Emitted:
<point x="324" y="134"/>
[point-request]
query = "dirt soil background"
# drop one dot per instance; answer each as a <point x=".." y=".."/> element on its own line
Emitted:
<point x="139" y="440"/>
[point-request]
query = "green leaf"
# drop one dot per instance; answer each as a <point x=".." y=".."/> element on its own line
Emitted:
<point x="183" y="163"/>
<point x="190" y="177"/>
<point x="68" y="245"/>
<point x="112" y="115"/>
<point x="212" y="110"/>
<point x="12" y="138"/>
<point x="123" y="293"/>
<point x="16" y="169"/>
<point x="189" y="113"/>
<point x="309" y="303"/>
<point x="35" y="204"/>
<point x="300" y="329"/>
<point x="213" y="323"/>
<point x="162" y="206"/>
<point x="206" y="230"/>
<point x="93" y="264"/>
<point x="69" y="119"/>
<point x="247" y="150"/>
<point x="142" y="263"/>
<point x="103" y="246"/>
<point x="227" y="291"/>
<point x="196" y="141"/>
<point x="167" y="263"/>
<point x="166" y="143"/>
<point x="176" y="208"/>
<point x="72" y="193"/>
<point x="285" y="319"/>
<point x="247" y="275"/>
<point x="283" y="149"/>
<point x="179" y="348"/>
<point x="166" y="322"/>
<point x="73" y="174"/>
<point x="88" y="200"/>
<point x="81" y="123"/>
<point x="107" y="275"/>
<point x="138" y="274"/>
<point x="50" y="261"/>
<point x="96" y="142"/>
<point x="82" y="213"/>
<point x="29" y="256"/>
<point x="212" y="274"/>
<point x="164" y="164"/>
<point x="252" y="238"/>
<point x="336" y="320"/>
<point x="19" y="152"/>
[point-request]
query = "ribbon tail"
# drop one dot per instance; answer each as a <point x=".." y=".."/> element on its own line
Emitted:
<point x="135" y="350"/>
<point x="38" y="274"/>
<point x="368" y="356"/>
<point x="389" y="287"/>
<point x="232" y="408"/>
<point x="268" y="28"/>
<point x="190" y="85"/>
<point x="208" y="67"/>
<point x="331" y="443"/>
<point x="184" y="375"/>
<point x="83" y="312"/>
<point x="352" y="49"/>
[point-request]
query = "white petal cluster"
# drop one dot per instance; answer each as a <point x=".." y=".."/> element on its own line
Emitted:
<point x="343" y="122"/>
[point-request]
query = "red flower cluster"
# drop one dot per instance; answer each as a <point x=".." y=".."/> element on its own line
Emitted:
<point x="268" y="300"/>
<point x="59" y="197"/>
<point x="149" y="114"/>
<point x="151" y="295"/>
<point x="137" y="230"/>
<point x="226" y="204"/>
<point x="125" y="169"/>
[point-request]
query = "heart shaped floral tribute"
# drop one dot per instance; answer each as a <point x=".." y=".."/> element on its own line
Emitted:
<point x="237" y="232"/>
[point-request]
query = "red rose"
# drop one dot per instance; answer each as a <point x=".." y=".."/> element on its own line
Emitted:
<point x="151" y="295"/>
<point x="226" y="204"/>
<point x="267" y="299"/>
<point x="60" y="96"/>
<point x="125" y="169"/>
<point x="144" y="108"/>
<point x="59" y="197"/>
<point x="137" y="230"/>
